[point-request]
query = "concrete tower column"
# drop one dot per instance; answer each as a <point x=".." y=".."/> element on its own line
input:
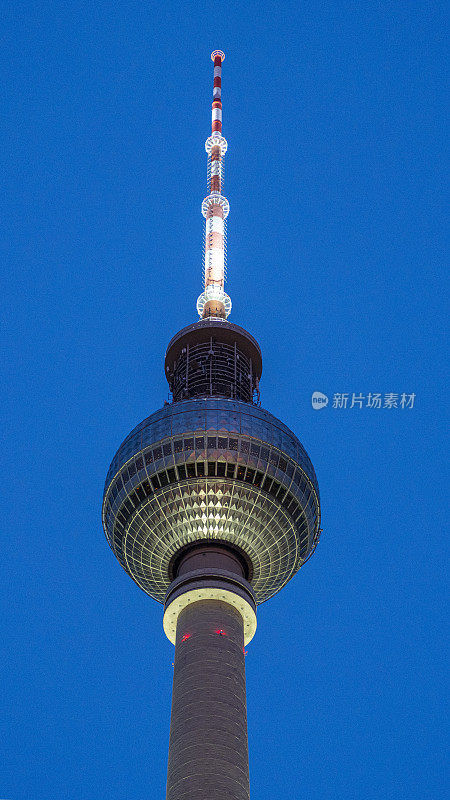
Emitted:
<point x="208" y="747"/>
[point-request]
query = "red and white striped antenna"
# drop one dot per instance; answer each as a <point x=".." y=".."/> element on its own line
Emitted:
<point x="214" y="302"/>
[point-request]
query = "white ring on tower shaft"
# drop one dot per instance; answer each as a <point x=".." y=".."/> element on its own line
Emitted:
<point x="216" y="141"/>
<point x="213" y="292"/>
<point x="173" y="611"/>
<point x="216" y="199"/>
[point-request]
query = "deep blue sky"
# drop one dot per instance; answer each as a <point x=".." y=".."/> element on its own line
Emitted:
<point x="333" y="114"/>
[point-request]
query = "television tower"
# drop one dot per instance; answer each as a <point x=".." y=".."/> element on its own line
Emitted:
<point x="211" y="505"/>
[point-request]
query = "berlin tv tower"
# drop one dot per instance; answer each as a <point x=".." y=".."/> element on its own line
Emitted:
<point x="211" y="505"/>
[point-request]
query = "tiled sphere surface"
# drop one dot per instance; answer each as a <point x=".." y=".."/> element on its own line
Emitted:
<point x="211" y="469"/>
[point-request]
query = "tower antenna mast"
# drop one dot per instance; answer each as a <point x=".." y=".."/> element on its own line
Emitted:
<point x="213" y="301"/>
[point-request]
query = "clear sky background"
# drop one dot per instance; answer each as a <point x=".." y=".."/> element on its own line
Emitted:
<point x="333" y="115"/>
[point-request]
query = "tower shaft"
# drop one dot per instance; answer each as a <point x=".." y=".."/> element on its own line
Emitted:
<point x="210" y="616"/>
<point x="208" y="749"/>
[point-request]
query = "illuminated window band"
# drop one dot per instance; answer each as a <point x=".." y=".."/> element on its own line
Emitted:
<point x="230" y="418"/>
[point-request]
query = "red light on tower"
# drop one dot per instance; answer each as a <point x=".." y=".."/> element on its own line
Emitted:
<point x="185" y="637"/>
<point x="220" y="632"/>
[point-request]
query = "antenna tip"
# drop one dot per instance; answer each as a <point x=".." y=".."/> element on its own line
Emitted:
<point x="216" y="53"/>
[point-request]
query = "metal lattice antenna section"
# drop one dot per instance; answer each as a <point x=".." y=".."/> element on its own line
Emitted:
<point x="214" y="302"/>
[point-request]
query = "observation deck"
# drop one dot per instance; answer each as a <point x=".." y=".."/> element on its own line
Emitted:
<point x="213" y="357"/>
